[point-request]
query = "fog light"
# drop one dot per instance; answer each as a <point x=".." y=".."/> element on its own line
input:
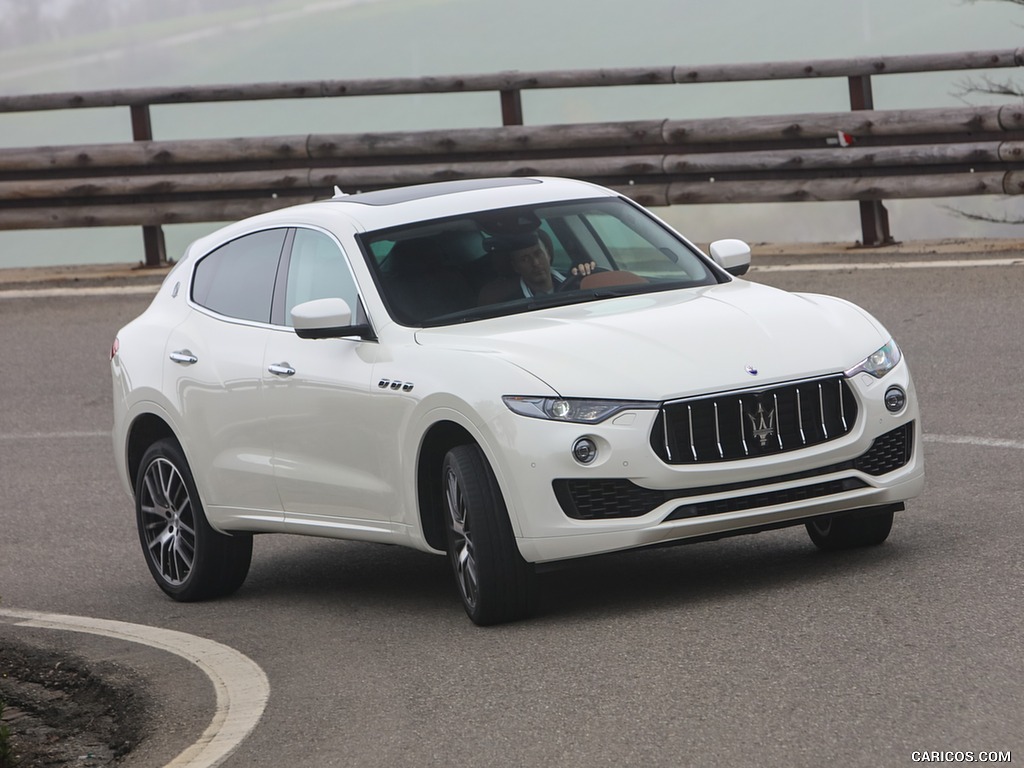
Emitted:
<point x="584" y="450"/>
<point x="895" y="399"/>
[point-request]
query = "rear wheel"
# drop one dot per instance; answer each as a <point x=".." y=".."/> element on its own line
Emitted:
<point x="494" y="581"/>
<point x="187" y="558"/>
<point x="834" y="532"/>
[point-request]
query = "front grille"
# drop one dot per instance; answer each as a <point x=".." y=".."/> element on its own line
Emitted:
<point x="742" y="425"/>
<point x="613" y="498"/>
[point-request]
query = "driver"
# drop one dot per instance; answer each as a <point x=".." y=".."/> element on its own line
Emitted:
<point x="532" y="262"/>
<point x="529" y="256"/>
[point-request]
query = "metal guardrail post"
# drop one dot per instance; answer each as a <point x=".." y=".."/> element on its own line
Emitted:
<point x="874" y="219"/>
<point x="512" y="107"/>
<point x="154" y="244"/>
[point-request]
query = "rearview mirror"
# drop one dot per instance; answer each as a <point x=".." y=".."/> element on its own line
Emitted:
<point x="731" y="255"/>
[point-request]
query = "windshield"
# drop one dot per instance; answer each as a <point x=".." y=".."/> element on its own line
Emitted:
<point x="513" y="260"/>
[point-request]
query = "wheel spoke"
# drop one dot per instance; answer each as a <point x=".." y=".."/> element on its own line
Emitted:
<point x="456" y="505"/>
<point x="182" y="557"/>
<point x="177" y="496"/>
<point x="149" y="510"/>
<point x="166" y="479"/>
<point x="150" y="488"/>
<point x="165" y="558"/>
<point x="466" y="568"/>
<point x="173" y="571"/>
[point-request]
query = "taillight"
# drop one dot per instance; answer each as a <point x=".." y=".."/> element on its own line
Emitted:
<point x="114" y="347"/>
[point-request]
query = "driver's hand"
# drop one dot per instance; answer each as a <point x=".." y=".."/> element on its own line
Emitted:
<point x="582" y="270"/>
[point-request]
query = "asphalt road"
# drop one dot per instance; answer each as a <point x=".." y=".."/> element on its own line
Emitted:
<point x="753" y="651"/>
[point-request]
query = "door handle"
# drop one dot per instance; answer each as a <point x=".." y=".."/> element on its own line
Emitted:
<point x="184" y="356"/>
<point x="281" y="369"/>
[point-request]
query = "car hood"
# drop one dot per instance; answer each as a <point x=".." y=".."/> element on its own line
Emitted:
<point x="678" y="343"/>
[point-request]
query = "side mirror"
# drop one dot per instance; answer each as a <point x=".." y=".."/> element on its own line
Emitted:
<point x="327" y="319"/>
<point x="731" y="255"/>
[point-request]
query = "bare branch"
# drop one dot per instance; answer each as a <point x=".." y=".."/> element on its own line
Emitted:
<point x="988" y="219"/>
<point x="989" y="86"/>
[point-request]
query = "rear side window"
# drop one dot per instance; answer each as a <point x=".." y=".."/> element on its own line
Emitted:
<point x="237" y="279"/>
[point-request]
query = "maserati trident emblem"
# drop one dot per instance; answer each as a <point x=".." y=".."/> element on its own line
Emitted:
<point x="751" y="370"/>
<point x="763" y="423"/>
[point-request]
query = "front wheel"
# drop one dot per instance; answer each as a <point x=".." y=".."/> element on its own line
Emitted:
<point x="187" y="558"/>
<point x="834" y="532"/>
<point x="494" y="581"/>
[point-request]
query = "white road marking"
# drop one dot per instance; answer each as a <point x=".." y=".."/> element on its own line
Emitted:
<point x="94" y="290"/>
<point x="52" y="435"/>
<point x="854" y="267"/>
<point x="242" y="687"/>
<point x="987" y="442"/>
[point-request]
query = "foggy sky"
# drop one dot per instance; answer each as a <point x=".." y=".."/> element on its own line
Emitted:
<point x="77" y="45"/>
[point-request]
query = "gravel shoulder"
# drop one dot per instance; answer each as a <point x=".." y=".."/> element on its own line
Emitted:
<point x="63" y="711"/>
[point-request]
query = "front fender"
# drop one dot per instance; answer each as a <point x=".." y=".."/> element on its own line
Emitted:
<point x="479" y="412"/>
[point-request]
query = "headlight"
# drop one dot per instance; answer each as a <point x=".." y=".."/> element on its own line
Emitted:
<point x="571" y="409"/>
<point x="879" y="363"/>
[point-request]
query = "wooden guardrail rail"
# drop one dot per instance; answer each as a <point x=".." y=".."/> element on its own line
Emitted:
<point x="865" y="155"/>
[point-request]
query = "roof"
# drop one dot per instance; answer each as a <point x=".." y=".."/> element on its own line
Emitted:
<point x="371" y="211"/>
<point x="424" y="202"/>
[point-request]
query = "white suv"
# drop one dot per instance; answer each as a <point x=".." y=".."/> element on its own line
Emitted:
<point x="512" y="371"/>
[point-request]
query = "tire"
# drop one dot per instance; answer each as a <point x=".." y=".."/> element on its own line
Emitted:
<point x="187" y="558"/>
<point x="494" y="582"/>
<point x="835" y="532"/>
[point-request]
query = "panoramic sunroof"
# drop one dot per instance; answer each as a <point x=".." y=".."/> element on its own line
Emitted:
<point x="421" y="191"/>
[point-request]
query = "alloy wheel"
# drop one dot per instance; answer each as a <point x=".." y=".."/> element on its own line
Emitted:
<point x="462" y="552"/>
<point x="168" y="521"/>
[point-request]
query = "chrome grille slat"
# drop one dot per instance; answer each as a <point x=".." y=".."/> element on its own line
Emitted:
<point x="664" y="426"/>
<point x="821" y="410"/>
<point x="775" y="399"/>
<point x="689" y="416"/>
<point x="781" y="418"/>
<point x="800" y="417"/>
<point x="743" y="430"/>
<point x="718" y="433"/>
<point x="842" y="407"/>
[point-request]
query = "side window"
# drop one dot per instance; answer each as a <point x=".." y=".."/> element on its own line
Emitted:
<point x="317" y="270"/>
<point x="237" y="279"/>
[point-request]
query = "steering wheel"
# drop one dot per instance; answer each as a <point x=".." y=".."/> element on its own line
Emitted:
<point x="573" y="282"/>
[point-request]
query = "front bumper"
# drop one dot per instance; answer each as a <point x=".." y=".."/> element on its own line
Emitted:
<point x="630" y="498"/>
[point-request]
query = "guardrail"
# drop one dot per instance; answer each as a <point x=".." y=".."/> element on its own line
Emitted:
<point x="865" y="154"/>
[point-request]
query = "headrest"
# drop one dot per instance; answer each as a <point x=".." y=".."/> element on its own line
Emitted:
<point x="513" y="241"/>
